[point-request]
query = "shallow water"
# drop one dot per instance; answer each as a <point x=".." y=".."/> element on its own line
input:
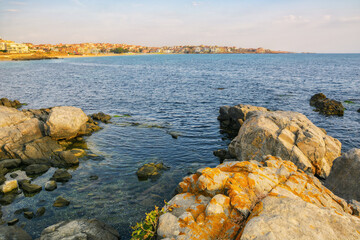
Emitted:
<point x="166" y="93"/>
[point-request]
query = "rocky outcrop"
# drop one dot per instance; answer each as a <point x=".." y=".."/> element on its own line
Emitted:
<point x="288" y="135"/>
<point x="13" y="233"/>
<point x="80" y="229"/>
<point x="271" y="199"/>
<point x="344" y="178"/>
<point x="8" y="103"/>
<point x="102" y="117"/>
<point x="327" y="106"/>
<point x="65" y="122"/>
<point x="231" y="118"/>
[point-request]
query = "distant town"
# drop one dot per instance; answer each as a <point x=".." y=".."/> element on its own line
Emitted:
<point x="11" y="47"/>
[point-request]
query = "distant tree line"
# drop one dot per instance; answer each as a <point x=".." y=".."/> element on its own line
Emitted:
<point x="119" y="50"/>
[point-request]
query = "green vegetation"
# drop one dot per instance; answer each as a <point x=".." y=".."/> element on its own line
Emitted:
<point x="146" y="229"/>
<point x="349" y="102"/>
<point x="124" y="115"/>
<point x="119" y="50"/>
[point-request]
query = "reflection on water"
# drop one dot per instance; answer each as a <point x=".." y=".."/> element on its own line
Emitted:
<point x="155" y="96"/>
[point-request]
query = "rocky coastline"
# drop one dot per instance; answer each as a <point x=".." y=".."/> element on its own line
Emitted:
<point x="281" y="176"/>
<point x="278" y="178"/>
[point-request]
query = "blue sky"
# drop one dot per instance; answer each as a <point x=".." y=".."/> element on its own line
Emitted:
<point x="294" y="25"/>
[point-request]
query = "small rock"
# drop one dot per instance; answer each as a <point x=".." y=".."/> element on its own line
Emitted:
<point x="64" y="159"/>
<point x="101" y="117"/>
<point x="35" y="169"/>
<point x="9" y="186"/>
<point x="317" y="97"/>
<point x="40" y="211"/>
<point x="27" y="187"/>
<point x="7" y="199"/>
<point x="93" y="177"/>
<point x="149" y="170"/>
<point x="358" y="110"/>
<point x="50" y="185"/>
<point x="61" y="202"/>
<point x="21" y="210"/>
<point x="222" y="154"/>
<point x="79" y="153"/>
<point x="61" y="175"/>
<point x="13" y="222"/>
<point x="327" y="106"/>
<point x="29" y="215"/>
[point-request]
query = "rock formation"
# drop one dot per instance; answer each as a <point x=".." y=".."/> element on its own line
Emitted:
<point x="288" y="135"/>
<point x="344" y="178"/>
<point x="326" y="106"/>
<point x="272" y="199"/>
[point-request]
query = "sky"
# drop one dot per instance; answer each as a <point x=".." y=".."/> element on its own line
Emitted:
<point x="324" y="26"/>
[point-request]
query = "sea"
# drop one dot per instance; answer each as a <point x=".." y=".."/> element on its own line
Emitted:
<point x="153" y="96"/>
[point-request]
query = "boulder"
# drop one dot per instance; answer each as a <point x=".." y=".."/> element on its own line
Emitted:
<point x="232" y="118"/>
<point x="327" y="106"/>
<point x="13" y="233"/>
<point x="61" y="175"/>
<point x="80" y="229"/>
<point x="65" y="122"/>
<point x="35" y="169"/>
<point x="39" y="150"/>
<point x="289" y="135"/>
<point x="344" y="177"/>
<point x="149" y="170"/>
<point x="271" y="199"/>
<point x="101" y="117"/>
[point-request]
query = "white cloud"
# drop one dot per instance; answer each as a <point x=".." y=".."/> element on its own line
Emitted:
<point x="11" y="10"/>
<point x="195" y="4"/>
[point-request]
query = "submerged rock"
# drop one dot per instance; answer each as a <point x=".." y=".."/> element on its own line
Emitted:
<point x="344" y="177"/>
<point x="253" y="200"/>
<point x="101" y="117"/>
<point x="80" y="229"/>
<point x="40" y="211"/>
<point x="7" y="198"/>
<point x="13" y="222"/>
<point x="13" y="233"/>
<point x="61" y="202"/>
<point x="289" y="135"/>
<point x="149" y="170"/>
<point x="327" y="106"/>
<point x="29" y="215"/>
<point x="61" y="175"/>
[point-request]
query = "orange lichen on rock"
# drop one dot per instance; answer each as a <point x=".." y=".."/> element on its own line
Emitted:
<point x="237" y="190"/>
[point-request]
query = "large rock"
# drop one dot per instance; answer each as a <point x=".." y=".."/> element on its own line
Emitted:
<point x="289" y="135"/>
<point x="65" y="122"/>
<point x="327" y="106"/>
<point x="36" y="169"/>
<point x="13" y="233"/>
<point x="10" y="163"/>
<point x="64" y="159"/>
<point x="80" y="229"/>
<point x="268" y="200"/>
<point x="344" y="178"/>
<point x="232" y="118"/>
<point x="40" y="149"/>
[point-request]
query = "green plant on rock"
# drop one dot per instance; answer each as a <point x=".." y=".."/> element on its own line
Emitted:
<point x="146" y="229"/>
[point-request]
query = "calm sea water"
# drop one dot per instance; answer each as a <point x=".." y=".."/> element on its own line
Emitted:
<point x="165" y="93"/>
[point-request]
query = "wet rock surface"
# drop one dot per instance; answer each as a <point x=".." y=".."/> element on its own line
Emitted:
<point x="61" y="202"/>
<point x="327" y="106"/>
<point x="28" y="187"/>
<point x="61" y="175"/>
<point x="250" y="200"/>
<point x="36" y="169"/>
<point x="80" y="229"/>
<point x="289" y="135"/>
<point x="105" y="118"/>
<point x="50" y="185"/>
